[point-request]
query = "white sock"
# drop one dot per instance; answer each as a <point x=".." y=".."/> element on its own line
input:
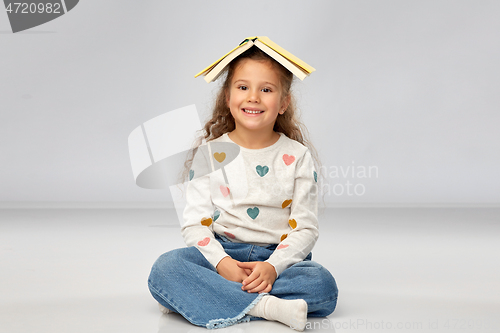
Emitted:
<point x="164" y="309"/>
<point x="289" y="312"/>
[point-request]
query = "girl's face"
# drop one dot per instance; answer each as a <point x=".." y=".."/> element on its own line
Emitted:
<point x="255" y="87"/>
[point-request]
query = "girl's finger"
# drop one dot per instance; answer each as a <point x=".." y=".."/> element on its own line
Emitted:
<point x="251" y="277"/>
<point x="252" y="284"/>
<point x="243" y="264"/>
<point x="243" y="276"/>
<point x="268" y="289"/>
<point x="259" y="288"/>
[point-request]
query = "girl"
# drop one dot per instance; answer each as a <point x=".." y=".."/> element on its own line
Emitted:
<point x="250" y="258"/>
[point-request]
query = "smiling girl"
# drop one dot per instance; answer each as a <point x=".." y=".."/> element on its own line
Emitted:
<point x="250" y="259"/>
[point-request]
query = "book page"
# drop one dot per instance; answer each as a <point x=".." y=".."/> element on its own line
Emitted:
<point x="209" y="68"/>
<point x="307" y="68"/>
<point x="299" y="72"/>
<point x="217" y="70"/>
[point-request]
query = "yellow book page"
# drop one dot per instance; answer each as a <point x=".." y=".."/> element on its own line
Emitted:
<point x="291" y="66"/>
<point x="216" y="62"/>
<point x="286" y="54"/>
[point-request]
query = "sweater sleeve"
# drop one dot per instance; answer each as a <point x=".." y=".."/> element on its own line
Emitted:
<point x="303" y="218"/>
<point x="198" y="214"/>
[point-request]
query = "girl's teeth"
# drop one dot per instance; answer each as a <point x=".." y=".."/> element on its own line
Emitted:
<point x="248" y="111"/>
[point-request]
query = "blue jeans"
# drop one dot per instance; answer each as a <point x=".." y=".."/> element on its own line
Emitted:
<point x="183" y="281"/>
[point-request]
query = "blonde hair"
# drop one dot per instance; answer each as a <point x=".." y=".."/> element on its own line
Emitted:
<point x="222" y="121"/>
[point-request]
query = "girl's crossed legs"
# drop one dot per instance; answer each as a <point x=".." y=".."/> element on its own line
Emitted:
<point x="183" y="281"/>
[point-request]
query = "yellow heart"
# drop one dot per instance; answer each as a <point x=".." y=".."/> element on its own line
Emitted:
<point x="220" y="157"/>
<point x="286" y="203"/>
<point x="283" y="237"/>
<point x="206" y="222"/>
<point x="292" y="223"/>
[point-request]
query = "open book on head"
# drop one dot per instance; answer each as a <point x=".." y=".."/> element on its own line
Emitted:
<point x="298" y="67"/>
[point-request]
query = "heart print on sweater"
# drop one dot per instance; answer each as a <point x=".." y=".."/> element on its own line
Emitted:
<point x="288" y="159"/>
<point x="253" y="212"/>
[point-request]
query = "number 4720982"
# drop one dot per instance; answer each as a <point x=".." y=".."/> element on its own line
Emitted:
<point x="32" y="8"/>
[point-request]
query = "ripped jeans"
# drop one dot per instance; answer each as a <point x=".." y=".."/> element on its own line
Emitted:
<point x="183" y="281"/>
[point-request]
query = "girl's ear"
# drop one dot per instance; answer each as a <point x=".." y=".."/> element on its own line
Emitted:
<point x="285" y="103"/>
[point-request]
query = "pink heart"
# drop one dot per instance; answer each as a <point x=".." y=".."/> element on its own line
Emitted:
<point x="224" y="190"/>
<point x="288" y="159"/>
<point x="230" y="235"/>
<point x="204" y="241"/>
<point x="281" y="246"/>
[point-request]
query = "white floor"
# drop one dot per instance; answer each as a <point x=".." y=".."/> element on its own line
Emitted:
<point x="397" y="269"/>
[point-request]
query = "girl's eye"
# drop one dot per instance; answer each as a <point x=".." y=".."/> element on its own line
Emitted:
<point x="246" y="88"/>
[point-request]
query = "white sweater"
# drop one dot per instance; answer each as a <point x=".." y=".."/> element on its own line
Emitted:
<point x="256" y="196"/>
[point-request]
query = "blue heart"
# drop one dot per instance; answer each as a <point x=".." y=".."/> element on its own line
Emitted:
<point x="216" y="215"/>
<point x="315" y="176"/>
<point x="262" y="170"/>
<point x="253" y="212"/>
<point x="191" y="174"/>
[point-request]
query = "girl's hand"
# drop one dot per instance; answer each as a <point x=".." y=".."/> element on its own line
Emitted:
<point x="229" y="270"/>
<point x="262" y="278"/>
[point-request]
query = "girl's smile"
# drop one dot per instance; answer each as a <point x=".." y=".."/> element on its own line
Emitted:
<point x="252" y="111"/>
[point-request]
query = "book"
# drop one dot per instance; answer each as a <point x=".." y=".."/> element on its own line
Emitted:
<point x="295" y="65"/>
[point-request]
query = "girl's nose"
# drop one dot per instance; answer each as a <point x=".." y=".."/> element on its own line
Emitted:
<point x="253" y="96"/>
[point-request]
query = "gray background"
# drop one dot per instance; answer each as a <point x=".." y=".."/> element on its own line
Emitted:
<point x="410" y="87"/>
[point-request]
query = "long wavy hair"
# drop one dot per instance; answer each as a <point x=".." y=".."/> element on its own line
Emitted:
<point x="222" y="121"/>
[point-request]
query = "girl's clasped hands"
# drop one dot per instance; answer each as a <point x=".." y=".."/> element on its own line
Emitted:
<point x="255" y="276"/>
